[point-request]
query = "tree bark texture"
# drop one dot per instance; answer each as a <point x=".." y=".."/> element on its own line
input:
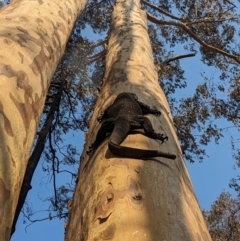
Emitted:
<point x="33" y="36"/>
<point x="129" y="199"/>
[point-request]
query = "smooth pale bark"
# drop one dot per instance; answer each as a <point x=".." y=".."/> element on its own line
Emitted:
<point x="33" y="36"/>
<point x="127" y="199"/>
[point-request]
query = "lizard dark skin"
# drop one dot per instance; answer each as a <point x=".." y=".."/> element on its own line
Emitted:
<point x="119" y="119"/>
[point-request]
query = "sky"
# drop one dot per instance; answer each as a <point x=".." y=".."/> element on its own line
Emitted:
<point x="209" y="178"/>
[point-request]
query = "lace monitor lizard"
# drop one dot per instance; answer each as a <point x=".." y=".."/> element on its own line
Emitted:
<point x="124" y="115"/>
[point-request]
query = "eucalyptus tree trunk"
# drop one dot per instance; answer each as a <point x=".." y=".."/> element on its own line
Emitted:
<point x="132" y="199"/>
<point x="33" y="36"/>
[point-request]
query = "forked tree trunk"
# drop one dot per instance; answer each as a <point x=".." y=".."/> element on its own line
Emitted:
<point x="33" y="36"/>
<point x="127" y="199"/>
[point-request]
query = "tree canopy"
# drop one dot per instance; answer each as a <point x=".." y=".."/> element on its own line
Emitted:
<point x="223" y="219"/>
<point x="207" y="30"/>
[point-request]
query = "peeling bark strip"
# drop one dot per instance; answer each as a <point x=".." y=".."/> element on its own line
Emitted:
<point x="33" y="36"/>
<point x="127" y="199"/>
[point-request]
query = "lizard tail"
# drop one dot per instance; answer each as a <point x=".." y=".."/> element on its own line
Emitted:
<point x="137" y="153"/>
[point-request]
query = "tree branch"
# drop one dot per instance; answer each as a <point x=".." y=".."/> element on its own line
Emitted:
<point x="160" y="10"/>
<point x="193" y="35"/>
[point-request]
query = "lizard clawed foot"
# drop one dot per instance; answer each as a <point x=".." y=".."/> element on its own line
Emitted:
<point x="161" y="137"/>
<point x="90" y="149"/>
<point x="99" y="119"/>
<point x="156" y="112"/>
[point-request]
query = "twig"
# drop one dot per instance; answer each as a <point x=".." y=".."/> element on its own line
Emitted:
<point x="209" y="20"/>
<point x="160" y="10"/>
<point x="96" y="56"/>
<point x="231" y="3"/>
<point x="181" y="56"/>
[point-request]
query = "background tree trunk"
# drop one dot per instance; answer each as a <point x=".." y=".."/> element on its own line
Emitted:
<point x="124" y="199"/>
<point x="33" y="36"/>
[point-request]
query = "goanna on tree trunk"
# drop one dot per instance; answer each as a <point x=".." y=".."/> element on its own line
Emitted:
<point x="118" y="198"/>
